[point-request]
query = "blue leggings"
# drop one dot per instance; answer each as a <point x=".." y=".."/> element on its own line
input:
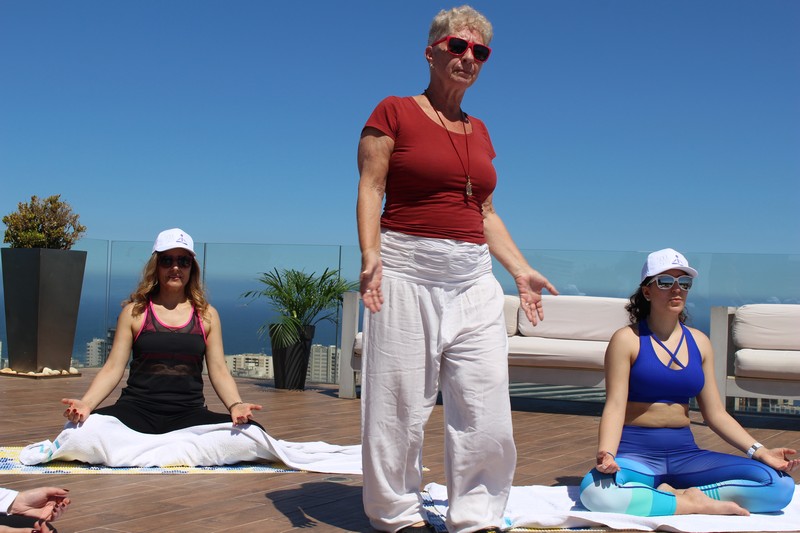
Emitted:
<point x="649" y="457"/>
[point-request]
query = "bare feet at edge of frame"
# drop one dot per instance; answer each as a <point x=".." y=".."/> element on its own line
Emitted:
<point x="693" y="501"/>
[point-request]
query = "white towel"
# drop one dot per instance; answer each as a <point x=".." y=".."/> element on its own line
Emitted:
<point x="105" y="440"/>
<point x="557" y="507"/>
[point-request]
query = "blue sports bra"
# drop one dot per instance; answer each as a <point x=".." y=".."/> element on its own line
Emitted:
<point x="651" y="381"/>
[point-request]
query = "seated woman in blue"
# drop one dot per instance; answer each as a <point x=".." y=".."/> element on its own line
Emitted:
<point x="647" y="461"/>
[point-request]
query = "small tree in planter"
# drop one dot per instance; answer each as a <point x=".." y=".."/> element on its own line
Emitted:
<point x="302" y="301"/>
<point x="42" y="282"/>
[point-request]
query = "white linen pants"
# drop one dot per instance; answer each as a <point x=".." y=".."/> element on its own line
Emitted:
<point x="441" y="325"/>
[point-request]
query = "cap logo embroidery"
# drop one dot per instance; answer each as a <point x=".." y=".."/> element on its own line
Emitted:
<point x="677" y="261"/>
<point x="181" y="240"/>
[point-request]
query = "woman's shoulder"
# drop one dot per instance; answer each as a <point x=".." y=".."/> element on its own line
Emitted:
<point x="209" y="314"/>
<point x="699" y="337"/>
<point x="397" y="100"/>
<point x="397" y="104"/>
<point x="129" y="317"/>
<point x="626" y="334"/>
<point x="476" y="121"/>
<point x="129" y="310"/>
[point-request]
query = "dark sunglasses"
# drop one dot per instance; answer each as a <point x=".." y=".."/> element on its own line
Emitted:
<point x="166" y="261"/>
<point x="665" y="281"/>
<point x="458" y="47"/>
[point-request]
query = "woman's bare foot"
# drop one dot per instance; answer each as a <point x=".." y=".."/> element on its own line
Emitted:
<point x="666" y="487"/>
<point x="694" y="501"/>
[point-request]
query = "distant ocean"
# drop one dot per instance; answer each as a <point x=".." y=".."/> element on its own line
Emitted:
<point x="726" y="279"/>
<point x="240" y="325"/>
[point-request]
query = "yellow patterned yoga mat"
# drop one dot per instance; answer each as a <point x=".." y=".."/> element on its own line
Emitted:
<point x="9" y="464"/>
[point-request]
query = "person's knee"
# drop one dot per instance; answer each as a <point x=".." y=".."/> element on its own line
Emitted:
<point x="599" y="493"/>
<point x="783" y="490"/>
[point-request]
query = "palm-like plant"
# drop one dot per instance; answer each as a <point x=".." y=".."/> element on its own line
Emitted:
<point x="301" y="300"/>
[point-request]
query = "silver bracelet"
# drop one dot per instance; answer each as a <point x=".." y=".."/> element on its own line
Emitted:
<point x="753" y="449"/>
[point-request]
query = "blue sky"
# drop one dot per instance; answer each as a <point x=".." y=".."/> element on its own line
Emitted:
<point x="619" y="125"/>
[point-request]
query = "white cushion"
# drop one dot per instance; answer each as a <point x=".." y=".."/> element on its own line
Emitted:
<point x="767" y="326"/>
<point x="589" y="318"/>
<point x="510" y="309"/>
<point x="358" y="345"/>
<point x="559" y="353"/>
<point x="768" y="364"/>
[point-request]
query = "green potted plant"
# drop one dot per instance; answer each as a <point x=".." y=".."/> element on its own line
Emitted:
<point x="301" y="300"/>
<point x="42" y="282"/>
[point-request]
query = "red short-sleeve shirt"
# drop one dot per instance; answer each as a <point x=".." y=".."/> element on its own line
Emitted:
<point x="426" y="182"/>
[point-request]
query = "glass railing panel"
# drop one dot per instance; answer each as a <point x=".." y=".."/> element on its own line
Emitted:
<point x="233" y="269"/>
<point x="725" y="279"/>
<point x="113" y="269"/>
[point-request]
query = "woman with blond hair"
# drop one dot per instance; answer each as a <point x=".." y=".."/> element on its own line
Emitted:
<point x="435" y="317"/>
<point x="173" y="331"/>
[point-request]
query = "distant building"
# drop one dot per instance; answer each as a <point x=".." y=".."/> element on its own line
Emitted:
<point x="110" y="334"/>
<point x="96" y="352"/>
<point x="323" y="366"/>
<point x="251" y="365"/>
<point x="774" y="406"/>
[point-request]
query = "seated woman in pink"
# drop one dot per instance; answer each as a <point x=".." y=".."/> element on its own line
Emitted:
<point x="172" y="331"/>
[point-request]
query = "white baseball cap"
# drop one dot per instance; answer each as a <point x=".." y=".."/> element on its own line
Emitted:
<point x="173" y="238"/>
<point x="663" y="260"/>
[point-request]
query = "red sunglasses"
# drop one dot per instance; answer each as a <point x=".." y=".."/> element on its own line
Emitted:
<point x="458" y="47"/>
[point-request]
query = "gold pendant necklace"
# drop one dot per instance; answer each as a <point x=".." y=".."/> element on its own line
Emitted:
<point x="468" y="187"/>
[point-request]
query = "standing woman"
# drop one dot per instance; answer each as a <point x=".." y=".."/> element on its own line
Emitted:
<point x="647" y="461"/>
<point x="173" y="331"/>
<point x="435" y="310"/>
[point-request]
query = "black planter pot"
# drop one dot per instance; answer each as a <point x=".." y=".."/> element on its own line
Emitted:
<point x="42" y="290"/>
<point x="291" y="363"/>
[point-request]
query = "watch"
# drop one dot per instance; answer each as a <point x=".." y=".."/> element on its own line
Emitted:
<point x="753" y="449"/>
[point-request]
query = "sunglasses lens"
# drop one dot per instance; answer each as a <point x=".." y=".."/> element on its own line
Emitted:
<point x="664" y="282"/>
<point x="480" y="52"/>
<point x="167" y="261"/>
<point x="457" y="46"/>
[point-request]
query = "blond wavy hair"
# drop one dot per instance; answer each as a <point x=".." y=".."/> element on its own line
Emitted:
<point x="149" y="287"/>
<point x="448" y="22"/>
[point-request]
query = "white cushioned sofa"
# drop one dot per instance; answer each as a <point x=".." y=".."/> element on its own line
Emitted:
<point x="757" y="351"/>
<point x="567" y="348"/>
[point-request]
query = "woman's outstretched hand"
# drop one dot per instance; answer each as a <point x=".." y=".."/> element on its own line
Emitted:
<point x="43" y="503"/>
<point x="778" y="458"/>
<point x="606" y="463"/>
<point x="242" y="413"/>
<point x="530" y="285"/>
<point x="77" y="411"/>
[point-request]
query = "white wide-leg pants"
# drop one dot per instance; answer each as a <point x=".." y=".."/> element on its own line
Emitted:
<point x="441" y="326"/>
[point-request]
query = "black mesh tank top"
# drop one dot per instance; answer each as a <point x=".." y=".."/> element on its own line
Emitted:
<point x="167" y="365"/>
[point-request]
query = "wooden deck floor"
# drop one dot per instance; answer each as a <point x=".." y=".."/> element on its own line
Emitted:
<point x="555" y="440"/>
